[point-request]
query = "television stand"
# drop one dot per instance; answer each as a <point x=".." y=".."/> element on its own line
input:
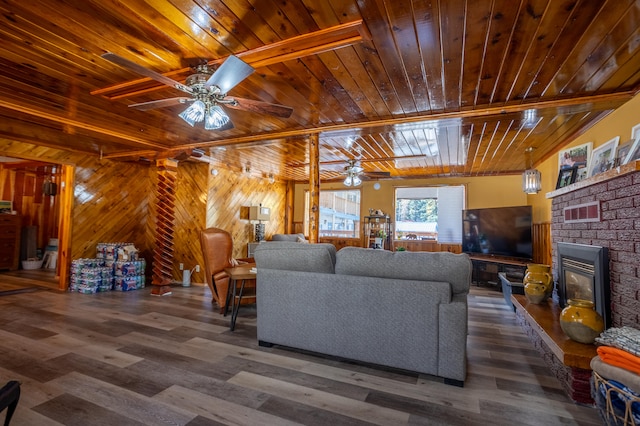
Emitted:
<point x="487" y="267"/>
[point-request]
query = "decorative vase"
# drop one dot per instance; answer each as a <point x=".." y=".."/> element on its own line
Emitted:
<point x="580" y="321"/>
<point x="535" y="291"/>
<point x="539" y="273"/>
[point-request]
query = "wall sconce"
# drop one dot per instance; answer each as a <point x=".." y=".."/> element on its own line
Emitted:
<point x="531" y="178"/>
<point x="260" y="214"/>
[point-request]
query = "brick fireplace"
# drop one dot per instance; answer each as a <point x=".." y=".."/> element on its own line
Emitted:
<point x="618" y="230"/>
<point x="601" y="211"/>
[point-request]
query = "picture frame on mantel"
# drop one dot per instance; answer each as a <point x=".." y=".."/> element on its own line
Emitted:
<point x="634" y="151"/>
<point x="603" y="157"/>
<point x="622" y="152"/>
<point x="566" y="177"/>
<point x="575" y="156"/>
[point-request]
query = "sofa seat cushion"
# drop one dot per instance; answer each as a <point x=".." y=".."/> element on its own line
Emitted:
<point x="419" y="266"/>
<point x="292" y="256"/>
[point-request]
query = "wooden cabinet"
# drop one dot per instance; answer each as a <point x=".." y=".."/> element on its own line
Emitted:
<point x="9" y="241"/>
<point x="377" y="232"/>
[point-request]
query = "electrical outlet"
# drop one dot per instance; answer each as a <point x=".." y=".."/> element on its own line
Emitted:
<point x="197" y="268"/>
<point x="181" y="266"/>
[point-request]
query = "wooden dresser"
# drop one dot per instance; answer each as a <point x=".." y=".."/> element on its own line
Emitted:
<point x="10" y="241"/>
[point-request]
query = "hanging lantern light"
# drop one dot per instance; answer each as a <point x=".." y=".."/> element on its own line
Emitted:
<point x="531" y="178"/>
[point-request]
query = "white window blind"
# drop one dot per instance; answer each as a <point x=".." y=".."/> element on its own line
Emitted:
<point x="450" y="206"/>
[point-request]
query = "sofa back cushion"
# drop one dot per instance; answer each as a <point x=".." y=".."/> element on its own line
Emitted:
<point x="454" y="269"/>
<point x="292" y="256"/>
<point x="288" y="237"/>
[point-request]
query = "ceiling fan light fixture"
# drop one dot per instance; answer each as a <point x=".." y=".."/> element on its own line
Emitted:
<point x="356" y="181"/>
<point x="194" y="114"/>
<point x="215" y="118"/>
<point x="348" y="181"/>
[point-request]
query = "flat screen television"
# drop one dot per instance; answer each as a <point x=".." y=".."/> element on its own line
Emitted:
<point x="499" y="231"/>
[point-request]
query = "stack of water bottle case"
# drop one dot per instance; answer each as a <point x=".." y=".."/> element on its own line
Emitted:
<point x="117" y="266"/>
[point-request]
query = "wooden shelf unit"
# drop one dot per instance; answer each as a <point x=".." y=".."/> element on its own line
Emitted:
<point x="372" y="226"/>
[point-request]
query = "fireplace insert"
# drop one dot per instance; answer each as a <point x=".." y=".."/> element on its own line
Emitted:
<point x="583" y="273"/>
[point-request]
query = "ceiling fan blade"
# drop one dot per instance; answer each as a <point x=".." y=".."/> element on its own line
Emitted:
<point x="161" y="103"/>
<point x="145" y="71"/>
<point x="377" y="174"/>
<point x="261" y="107"/>
<point x="232" y="71"/>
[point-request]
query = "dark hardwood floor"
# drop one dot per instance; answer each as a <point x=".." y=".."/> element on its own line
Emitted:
<point x="135" y="359"/>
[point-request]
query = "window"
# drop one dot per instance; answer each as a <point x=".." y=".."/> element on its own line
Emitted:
<point x="430" y="213"/>
<point x="339" y="213"/>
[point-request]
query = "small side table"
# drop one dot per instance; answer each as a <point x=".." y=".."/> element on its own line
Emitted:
<point x="240" y="273"/>
<point x="251" y="247"/>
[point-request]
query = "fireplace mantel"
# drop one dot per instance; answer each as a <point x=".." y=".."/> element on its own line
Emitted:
<point x="631" y="167"/>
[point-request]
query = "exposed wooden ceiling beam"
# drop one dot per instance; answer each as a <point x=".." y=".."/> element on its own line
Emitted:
<point x="615" y="99"/>
<point x="39" y="112"/>
<point x="292" y="48"/>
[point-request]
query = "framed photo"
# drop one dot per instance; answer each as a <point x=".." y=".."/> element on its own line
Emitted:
<point x="567" y="176"/>
<point x="6" y="206"/>
<point x="635" y="131"/>
<point x="634" y="151"/>
<point x="603" y="157"/>
<point x="581" y="173"/>
<point x="622" y="152"/>
<point x="575" y="156"/>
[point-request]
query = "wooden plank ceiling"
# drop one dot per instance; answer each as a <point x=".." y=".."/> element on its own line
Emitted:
<point x="413" y="88"/>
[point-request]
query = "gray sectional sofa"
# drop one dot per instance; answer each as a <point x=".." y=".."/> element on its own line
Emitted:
<point x="406" y="310"/>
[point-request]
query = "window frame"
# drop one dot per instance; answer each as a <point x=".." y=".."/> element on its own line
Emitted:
<point x="357" y="224"/>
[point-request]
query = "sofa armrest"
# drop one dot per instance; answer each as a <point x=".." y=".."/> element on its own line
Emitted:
<point x="453" y="330"/>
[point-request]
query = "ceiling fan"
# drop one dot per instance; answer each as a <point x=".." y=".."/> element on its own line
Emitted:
<point x="355" y="173"/>
<point x="208" y="90"/>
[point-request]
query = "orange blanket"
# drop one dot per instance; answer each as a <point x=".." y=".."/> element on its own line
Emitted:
<point x="619" y="358"/>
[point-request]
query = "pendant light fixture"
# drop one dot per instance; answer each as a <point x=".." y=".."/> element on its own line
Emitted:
<point x="531" y="178"/>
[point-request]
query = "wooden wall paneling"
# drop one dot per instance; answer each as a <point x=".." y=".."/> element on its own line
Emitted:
<point x="190" y="218"/>
<point x="542" y="243"/>
<point x="6" y="184"/>
<point x="38" y="194"/>
<point x="111" y="205"/>
<point x="108" y="200"/>
<point x="339" y="242"/>
<point x="230" y="193"/>
<point x="162" y="268"/>
<point x="427" y="245"/>
<point x="18" y="191"/>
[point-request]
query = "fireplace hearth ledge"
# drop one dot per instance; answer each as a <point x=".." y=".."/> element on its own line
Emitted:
<point x="568" y="360"/>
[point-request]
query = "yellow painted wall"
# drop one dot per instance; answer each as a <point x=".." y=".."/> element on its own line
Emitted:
<point x="618" y="123"/>
<point x="481" y="192"/>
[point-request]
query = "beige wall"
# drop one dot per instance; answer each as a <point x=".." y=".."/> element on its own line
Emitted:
<point x="618" y="123"/>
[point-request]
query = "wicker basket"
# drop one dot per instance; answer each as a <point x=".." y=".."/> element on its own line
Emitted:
<point x="616" y="405"/>
<point x="31" y="264"/>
